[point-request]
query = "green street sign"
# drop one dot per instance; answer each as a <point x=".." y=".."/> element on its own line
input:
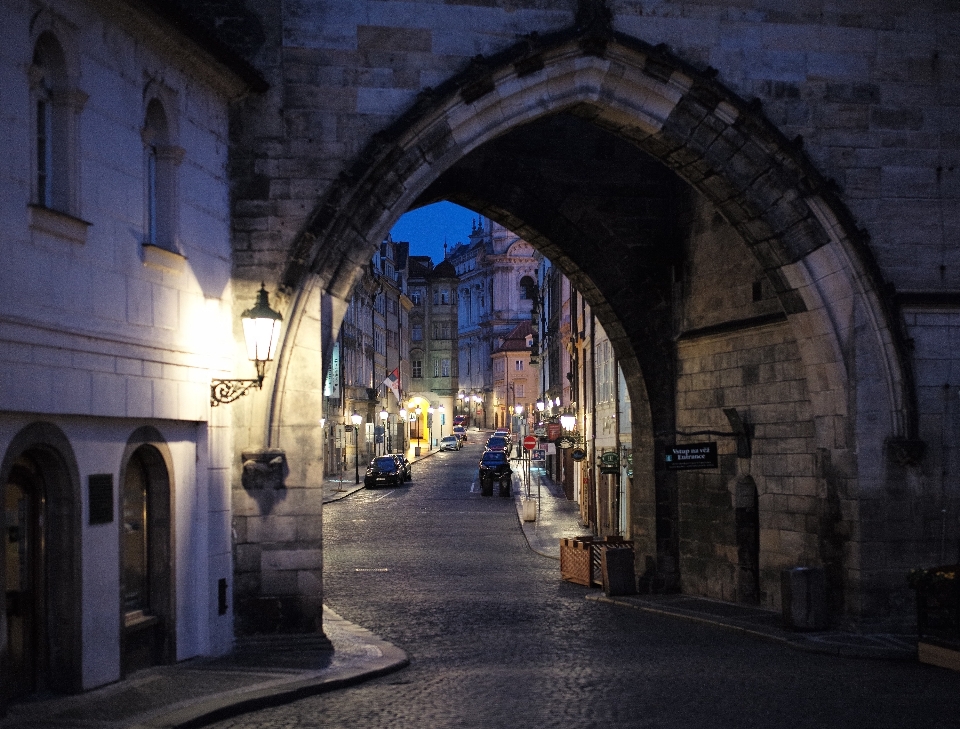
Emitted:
<point x="610" y="459"/>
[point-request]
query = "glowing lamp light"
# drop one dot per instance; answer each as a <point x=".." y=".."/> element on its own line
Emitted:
<point x="568" y="421"/>
<point x="261" y="334"/>
<point x="261" y="331"/>
<point x="356" y="418"/>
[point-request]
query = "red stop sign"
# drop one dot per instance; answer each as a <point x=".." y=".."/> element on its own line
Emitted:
<point x="530" y="442"/>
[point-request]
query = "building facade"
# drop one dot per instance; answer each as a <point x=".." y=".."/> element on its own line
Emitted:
<point x="116" y="312"/>
<point x="497" y="271"/>
<point x="433" y="349"/>
<point x="372" y="347"/>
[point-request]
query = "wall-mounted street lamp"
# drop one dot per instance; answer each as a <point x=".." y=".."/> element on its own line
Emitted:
<point x="540" y="406"/>
<point x="356" y="419"/>
<point x="261" y="332"/>
<point x="568" y="421"/>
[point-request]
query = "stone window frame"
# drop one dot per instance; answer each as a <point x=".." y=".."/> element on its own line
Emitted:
<point x="56" y="103"/>
<point x="162" y="157"/>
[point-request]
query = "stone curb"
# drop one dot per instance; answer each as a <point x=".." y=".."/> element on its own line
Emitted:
<point x="358" y="656"/>
<point x="836" y="643"/>
<point x="229" y="704"/>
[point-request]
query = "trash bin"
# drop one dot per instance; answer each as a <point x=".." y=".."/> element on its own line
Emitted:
<point x="416" y="451"/>
<point x="803" y="592"/>
<point x="619" y="577"/>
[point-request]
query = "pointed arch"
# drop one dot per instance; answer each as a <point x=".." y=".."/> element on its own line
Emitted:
<point x="803" y="236"/>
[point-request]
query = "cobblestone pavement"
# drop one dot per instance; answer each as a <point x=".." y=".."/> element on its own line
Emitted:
<point x="497" y="639"/>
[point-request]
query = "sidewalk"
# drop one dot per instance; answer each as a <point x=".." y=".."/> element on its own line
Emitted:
<point x="261" y="672"/>
<point x="558" y="518"/>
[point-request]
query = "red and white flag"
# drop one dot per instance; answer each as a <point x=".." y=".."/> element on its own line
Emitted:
<point x="393" y="382"/>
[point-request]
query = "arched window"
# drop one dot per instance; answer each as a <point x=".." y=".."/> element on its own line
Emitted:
<point x="54" y="107"/>
<point x="162" y="158"/>
<point x="528" y="288"/>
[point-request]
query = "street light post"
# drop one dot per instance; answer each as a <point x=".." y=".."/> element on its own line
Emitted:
<point x="383" y="422"/>
<point x="440" y="409"/>
<point x="356" y="418"/>
<point x="418" y="412"/>
<point x="430" y="442"/>
<point x="402" y="423"/>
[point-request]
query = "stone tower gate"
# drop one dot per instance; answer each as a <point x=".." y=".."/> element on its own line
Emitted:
<point x="756" y="201"/>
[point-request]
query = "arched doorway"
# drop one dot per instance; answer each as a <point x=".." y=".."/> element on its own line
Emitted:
<point x="727" y="163"/>
<point x="41" y="566"/>
<point x="146" y="607"/>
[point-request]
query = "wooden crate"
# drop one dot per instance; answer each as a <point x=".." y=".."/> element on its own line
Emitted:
<point x="575" y="560"/>
<point x="581" y="558"/>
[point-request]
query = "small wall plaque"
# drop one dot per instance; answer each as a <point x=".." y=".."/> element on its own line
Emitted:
<point x="100" y="493"/>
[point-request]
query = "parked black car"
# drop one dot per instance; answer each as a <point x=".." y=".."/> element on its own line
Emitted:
<point x="494" y="466"/>
<point x="406" y="470"/>
<point x="383" y="471"/>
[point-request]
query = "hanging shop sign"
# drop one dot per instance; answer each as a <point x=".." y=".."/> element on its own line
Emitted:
<point x="693" y="455"/>
<point x="566" y="442"/>
<point x="610" y="463"/>
<point x="578" y="454"/>
<point x="553" y="431"/>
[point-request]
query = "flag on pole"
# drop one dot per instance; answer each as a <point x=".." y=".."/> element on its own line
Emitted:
<point x="393" y="382"/>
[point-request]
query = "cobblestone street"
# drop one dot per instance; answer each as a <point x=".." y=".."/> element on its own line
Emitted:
<point x="497" y="639"/>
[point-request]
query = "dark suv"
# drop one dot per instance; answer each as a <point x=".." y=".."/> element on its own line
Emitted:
<point x="383" y="471"/>
<point x="494" y="466"/>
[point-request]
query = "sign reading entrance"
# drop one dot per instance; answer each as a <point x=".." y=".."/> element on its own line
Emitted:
<point x="695" y="455"/>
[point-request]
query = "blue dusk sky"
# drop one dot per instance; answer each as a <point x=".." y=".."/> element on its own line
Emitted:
<point x="428" y="227"/>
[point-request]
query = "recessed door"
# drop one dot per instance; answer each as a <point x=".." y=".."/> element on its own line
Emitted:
<point x="24" y="582"/>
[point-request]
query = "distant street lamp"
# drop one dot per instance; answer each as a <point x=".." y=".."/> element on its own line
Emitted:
<point x="568" y="421"/>
<point x="356" y="418"/>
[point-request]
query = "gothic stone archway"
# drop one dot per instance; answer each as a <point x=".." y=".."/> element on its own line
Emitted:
<point x="800" y="236"/>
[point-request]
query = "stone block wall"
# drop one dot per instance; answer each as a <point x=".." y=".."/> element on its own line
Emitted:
<point x="757" y="371"/>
